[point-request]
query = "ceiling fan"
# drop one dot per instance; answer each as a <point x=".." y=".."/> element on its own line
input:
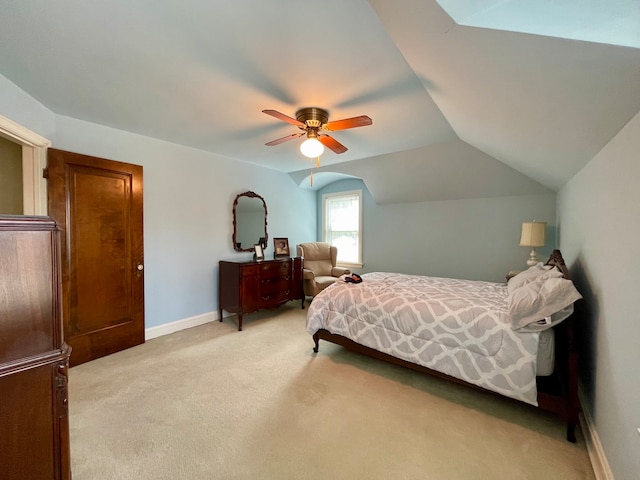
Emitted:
<point x="312" y="120"/>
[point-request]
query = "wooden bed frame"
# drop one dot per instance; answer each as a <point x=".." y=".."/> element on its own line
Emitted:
<point x="557" y="393"/>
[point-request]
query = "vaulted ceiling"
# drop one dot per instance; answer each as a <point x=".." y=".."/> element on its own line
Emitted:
<point x="468" y="97"/>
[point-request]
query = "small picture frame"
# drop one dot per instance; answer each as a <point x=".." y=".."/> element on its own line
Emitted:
<point x="281" y="247"/>
<point x="259" y="253"/>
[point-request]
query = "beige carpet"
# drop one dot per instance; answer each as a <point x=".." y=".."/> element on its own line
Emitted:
<point x="214" y="403"/>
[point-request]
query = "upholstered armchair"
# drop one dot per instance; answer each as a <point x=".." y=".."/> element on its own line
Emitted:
<point x="319" y="266"/>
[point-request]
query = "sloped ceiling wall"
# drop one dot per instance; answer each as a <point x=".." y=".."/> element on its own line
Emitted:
<point x="544" y="106"/>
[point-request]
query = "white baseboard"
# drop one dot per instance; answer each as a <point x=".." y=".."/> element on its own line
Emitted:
<point x="598" y="459"/>
<point x="167" y="328"/>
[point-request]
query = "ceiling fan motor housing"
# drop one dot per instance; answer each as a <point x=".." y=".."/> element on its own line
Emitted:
<point x="313" y="117"/>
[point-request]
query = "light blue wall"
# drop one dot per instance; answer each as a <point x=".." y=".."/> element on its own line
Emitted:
<point x="188" y="200"/>
<point x="599" y="218"/>
<point x="475" y="239"/>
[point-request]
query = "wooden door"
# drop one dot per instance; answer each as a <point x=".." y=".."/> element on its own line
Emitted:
<point x="98" y="205"/>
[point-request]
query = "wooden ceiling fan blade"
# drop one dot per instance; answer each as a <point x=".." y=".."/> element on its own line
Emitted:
<point x="284" y="118"/>
<point x="361" y="121"/>
<point x="332" y="144"/>
<point x="284" y="139"/>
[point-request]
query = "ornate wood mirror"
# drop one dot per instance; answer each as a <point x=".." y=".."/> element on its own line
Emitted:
<point x="249" y="222"/>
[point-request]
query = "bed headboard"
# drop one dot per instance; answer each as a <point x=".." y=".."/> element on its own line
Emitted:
<point x="556" y="260"/>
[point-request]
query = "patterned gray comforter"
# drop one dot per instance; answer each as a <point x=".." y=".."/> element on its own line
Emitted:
<point x="457" y="327"/>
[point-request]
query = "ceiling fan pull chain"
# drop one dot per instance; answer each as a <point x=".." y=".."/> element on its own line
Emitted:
<point x="318" y="162"/>
<point x="311" y="178"/>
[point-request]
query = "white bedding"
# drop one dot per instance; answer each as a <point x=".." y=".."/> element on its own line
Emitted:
<point x="458" y="327"/>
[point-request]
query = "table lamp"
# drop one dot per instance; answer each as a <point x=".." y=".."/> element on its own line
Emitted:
<point x="534" y="234"/>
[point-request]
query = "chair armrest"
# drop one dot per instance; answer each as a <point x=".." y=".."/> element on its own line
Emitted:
<point x="337" y="271"/>
<point x="308" y="274"/>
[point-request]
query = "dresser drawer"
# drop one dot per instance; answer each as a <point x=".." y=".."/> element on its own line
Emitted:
<point x="276" y="284"/>
<point x="272" y="297"/>
<point x="275" y="269"/>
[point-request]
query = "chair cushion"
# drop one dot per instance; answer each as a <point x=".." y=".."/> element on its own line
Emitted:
<point x="325" y="281"/>
<point x="313" y="287"/>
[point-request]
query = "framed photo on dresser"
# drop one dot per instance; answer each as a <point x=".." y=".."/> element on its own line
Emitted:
<point x="281" y="247"/>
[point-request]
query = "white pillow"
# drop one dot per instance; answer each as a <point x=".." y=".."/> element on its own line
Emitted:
<point x="539" y="299"/>
<point x="532" y="273"/>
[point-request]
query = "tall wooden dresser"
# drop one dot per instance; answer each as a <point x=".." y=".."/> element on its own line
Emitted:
<point x="34" y="426"/>
<point x="245" y="287"/>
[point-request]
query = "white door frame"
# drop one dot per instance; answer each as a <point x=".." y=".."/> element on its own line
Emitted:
<point x="34" y="161"/>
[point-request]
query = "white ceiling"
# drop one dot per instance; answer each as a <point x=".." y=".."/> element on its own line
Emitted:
<point x="500" y="86"/>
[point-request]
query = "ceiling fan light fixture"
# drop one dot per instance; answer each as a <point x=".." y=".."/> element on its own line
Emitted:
<point x="311" y="148"/>
<point x="311" y="120"/>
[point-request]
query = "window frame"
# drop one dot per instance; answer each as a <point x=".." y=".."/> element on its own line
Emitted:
<point x="333" y="195"/>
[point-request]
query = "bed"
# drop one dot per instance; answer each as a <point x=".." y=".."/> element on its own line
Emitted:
<point x="513" y="339"/>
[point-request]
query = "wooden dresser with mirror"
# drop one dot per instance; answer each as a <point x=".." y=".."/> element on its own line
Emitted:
<point x="247" y="286"/>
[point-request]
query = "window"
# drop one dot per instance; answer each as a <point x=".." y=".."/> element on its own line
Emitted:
<point x="342" y="225"/>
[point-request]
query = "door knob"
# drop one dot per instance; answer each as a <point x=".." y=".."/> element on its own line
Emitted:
<point x="140" y="267"/>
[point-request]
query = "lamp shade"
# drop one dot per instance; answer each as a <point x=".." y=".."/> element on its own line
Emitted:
<point x="311" y="148"/>
<point x="534" y="234"/>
